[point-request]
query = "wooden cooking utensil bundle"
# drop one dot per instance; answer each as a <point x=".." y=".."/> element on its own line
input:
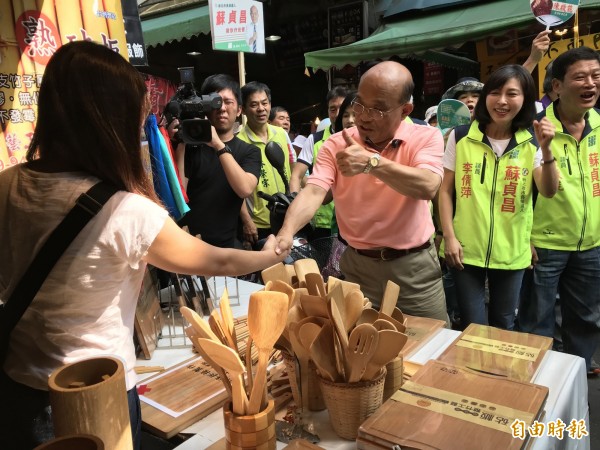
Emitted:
<point x="334" y="326"/>
<point x="215" y="341"/>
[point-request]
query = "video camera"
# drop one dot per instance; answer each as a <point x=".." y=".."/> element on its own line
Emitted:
<point x="191" y="108"/>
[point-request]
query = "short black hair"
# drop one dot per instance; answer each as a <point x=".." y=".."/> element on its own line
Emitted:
<point x="524" y="118"/>
<point x="343" y="107"/>
<point x="220" y="81"/>
<point x="338" y="91"/>
<point x="252" y="88"/>
<point x="275" y="110"/>
<point x="570" y="57"/>
<point x="547" y="84"/>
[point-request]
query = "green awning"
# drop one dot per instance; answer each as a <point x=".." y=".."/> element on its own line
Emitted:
<point x="435" y="31"/>
<point x="401" y="6"/>
<point x="176" y="26"/>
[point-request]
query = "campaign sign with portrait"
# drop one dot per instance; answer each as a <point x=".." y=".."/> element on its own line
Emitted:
<point x="237" y="26"/>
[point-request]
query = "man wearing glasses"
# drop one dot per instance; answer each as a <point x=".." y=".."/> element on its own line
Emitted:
<point x="382" y="173"/>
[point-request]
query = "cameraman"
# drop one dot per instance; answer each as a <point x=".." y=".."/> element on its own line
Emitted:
<point x="218" y="175"/>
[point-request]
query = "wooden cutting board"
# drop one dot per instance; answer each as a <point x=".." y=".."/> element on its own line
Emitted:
<point x="444" y="407"/>
<point x="419" y="331"/>
<point x="498" y="352"/>
<point x="191" y="389"/>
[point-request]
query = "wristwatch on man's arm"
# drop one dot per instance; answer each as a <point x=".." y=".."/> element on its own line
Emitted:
<point x="372" y="163"/>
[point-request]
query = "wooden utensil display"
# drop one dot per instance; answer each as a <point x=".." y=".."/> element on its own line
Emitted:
<point x="323" y="353"/>
<point x="90" y="397"/>
<point x="389" y="345"/>
<point x="423" y="414"/>
<point x="191" y="386"/>
<point x="500" y="352"/>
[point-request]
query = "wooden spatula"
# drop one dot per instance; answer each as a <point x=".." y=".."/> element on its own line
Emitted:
<point x="304" y="266"/>
<point x="390" y="298"/>
<point x="227" y="319"/>
<point x="229" y="360"/>
<point x="315" y="284"/>
<point x="388" y="348"/>
<point x="275" y="272"/>
<point x="361" y="347"/>
<point x="267" y="313"/>
<point x="322" y="353"/>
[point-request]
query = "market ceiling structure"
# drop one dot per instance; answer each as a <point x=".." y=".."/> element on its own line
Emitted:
<point x="431" y="32"/>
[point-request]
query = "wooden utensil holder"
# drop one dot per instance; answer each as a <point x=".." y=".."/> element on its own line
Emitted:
<point x="253" y="432"/>
<point x="90" y="397"/>
<point x="393" y="377"/>
<point x="75" y="442"/>
<point x="350" y="404"/>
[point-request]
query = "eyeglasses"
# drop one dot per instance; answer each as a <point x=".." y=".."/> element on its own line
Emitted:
<point x="372" y="113"/>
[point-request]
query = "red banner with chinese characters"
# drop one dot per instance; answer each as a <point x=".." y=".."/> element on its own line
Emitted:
<point x="30" y="32"/>
<point x="161" y="91"/>
<point x="433" y="78"/>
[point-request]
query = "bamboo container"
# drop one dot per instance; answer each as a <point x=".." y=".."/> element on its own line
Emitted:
<point x="75" y="442"/>
<point x="253" y="432"/>
<point x="90" y="397"/>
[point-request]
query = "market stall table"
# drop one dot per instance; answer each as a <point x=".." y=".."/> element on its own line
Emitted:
<point x="562" y="373"/>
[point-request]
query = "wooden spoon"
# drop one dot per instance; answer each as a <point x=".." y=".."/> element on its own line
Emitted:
<point x="353" y="306"/>
<point x="267" y="313"/>
<point x="315" y="284"/>
<point x="227" y="317"/>
<point x="388" y="348"/>
<point x="399" y="326"/>
<point x="361" y="347"/>
<point x="298" y="292"/>
<point x="382" y="324"/>
<point x="303" y="356"/>
<point x="229" y="360"/>
<point x="189" y="331"/>
<point x="397" y="314"/>
<point x="347" y="286"/>
<point x="367" y="316"/>
<point x="390" y="298"/>
<point x="322" y="353"/>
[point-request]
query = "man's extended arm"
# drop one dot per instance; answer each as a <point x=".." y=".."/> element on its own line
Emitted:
<point x="300" y="212"/>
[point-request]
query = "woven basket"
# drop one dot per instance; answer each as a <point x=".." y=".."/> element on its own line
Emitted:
<point x="350" y="404"/>
<point x="315" y="398"/>
<point x="393" y="378"/>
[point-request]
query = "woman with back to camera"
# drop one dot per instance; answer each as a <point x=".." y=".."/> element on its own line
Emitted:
<point x="91" y="107"/>
<point x="489" y="167"/>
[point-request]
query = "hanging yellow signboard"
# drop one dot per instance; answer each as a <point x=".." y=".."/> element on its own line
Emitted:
<point x="30" y="32"/>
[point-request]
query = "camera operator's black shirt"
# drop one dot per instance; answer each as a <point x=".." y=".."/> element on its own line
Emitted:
<point x="214" y="205"/>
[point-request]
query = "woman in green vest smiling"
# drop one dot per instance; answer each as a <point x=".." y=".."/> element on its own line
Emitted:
<point x="486" y="205"/>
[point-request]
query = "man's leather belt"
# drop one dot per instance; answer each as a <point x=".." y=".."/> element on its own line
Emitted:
<point x="387" y="254"/>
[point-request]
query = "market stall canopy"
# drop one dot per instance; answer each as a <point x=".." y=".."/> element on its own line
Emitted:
<point x="401" y="6"/>
<point x="175" y="25"/>
<point x="437" y="30"/>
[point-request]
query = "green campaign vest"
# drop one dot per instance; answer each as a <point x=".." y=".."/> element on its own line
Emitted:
<point x="323" y="218"/>
<point x="269" y="181"/>
<point x="493" y="214"/>
<point x="570" y="220"/>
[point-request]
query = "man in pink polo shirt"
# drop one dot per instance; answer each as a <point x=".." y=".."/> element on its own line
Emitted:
<point x="382" y="174"/>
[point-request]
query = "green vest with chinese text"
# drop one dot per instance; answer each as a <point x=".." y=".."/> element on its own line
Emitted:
<point x="269" y="181"/>
<point x="323" y="218"/>
<point x="494" y="211"/>
<point x="570" y="220"/>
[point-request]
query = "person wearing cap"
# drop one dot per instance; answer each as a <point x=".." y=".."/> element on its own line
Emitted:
<point x="323" y="218"/>
<point x="467" y="90"/>
<point x="431" y="116"/>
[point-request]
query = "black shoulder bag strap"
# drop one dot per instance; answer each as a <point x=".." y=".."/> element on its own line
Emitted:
<point x="87" y="206"/>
